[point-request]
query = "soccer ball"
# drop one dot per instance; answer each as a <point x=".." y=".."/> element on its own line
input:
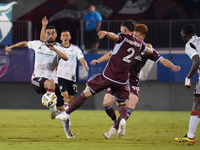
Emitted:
<point x="49" y="99"/>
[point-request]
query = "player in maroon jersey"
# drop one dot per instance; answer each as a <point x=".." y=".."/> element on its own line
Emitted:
<point x="140" y="32"/>
<point x="116" y="72"/>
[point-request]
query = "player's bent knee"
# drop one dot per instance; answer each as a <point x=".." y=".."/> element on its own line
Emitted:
<point x="106" y="103"/>
<point x="49" y="84"/>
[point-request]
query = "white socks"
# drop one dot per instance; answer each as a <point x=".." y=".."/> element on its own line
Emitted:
<point x="194" y="120"/>
<point x="52" y="109"/>
<point x="66" y="105"/>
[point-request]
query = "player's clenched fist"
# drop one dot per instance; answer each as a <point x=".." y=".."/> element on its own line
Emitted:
<point x="8" y="50"/>
<point x="45" y="21"/>
<point x="101" y="34"/>
<point x="94" y="62"/>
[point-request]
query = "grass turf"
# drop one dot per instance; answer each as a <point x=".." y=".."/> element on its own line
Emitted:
<point x="145" y="130"/>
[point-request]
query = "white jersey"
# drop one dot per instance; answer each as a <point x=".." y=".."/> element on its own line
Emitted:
<point x="67" y="69"/>
<point x="46" y="60"/>
<point x="192" y="47"/>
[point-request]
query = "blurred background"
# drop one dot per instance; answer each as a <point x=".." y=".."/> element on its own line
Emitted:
<point x="161" y="89"/>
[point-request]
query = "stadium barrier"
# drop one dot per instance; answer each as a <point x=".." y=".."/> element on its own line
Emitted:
<point x="162" y="34"/>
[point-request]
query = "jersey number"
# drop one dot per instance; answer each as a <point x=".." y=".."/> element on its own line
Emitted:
<point x="127" y="58"/>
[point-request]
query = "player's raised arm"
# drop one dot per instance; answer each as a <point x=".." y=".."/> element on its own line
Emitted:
<point x="44" y="25"/>
<point x="169" y="64"/>
<point x="103" y="58"/>
<point x="20" y="44"/>
<point x="110" y="35"/>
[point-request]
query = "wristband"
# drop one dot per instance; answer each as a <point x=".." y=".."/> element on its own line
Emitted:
<point x="187" y="81"/>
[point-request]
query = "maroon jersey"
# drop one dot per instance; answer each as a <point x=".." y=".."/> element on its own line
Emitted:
<point x="139" y="62"/>
<point x="117" y="68"/>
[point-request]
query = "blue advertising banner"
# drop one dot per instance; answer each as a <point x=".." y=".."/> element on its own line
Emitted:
<point x="182" y="60"/>
<point x="6" y="23"/>
<point x="18" y="66"/>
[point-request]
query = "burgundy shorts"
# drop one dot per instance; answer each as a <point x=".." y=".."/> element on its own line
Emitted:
<point x="98" y="83"/>
<point x="135" y="89"/>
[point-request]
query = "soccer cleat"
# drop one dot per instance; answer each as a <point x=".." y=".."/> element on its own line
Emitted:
<point x="109" y="134"/>
<point x="54" y="114"/>
<point x="186" y="140"/>
<point x="62" y="116"/>
<point x="122" y="127"/>
<point x="69" y="134"/>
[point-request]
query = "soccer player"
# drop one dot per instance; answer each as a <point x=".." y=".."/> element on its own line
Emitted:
<point x="115" y="74"/>
<point x="140" y="33"/>
<point x="44" y="77"/>
<point x="66" y="71"/>
<point x="192" y="49"/>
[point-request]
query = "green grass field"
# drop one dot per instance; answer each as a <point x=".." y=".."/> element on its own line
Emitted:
<point x="145" y="130"/>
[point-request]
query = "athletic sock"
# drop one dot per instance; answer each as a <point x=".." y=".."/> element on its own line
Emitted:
<point x="66" y="105"/>
<point x="77" y="102"/>
<point x="64" y="125"/>
<point x="122" y="111"/>
<point x="111" y="112"/>
<point x="194" y="120"/>
<point x="129" y="111"/>
<point x="116" y="126"/>
<point x="52" y="109"/>
<point x="123" y="114"/>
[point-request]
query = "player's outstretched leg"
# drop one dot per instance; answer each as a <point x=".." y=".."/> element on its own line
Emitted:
<point x="185" y="140"/>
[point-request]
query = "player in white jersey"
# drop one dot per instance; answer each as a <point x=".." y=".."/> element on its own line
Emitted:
<point x="46" y="60"/>
<point x="192" y="49"/>
<point x="66" y="70"/>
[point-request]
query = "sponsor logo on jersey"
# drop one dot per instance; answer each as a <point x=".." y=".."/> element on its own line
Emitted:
<point x="40" y="46"/>
<point x="138" y="57"/>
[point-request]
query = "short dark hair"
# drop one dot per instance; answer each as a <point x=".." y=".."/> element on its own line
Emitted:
<point x="189" y="29"/>
<point x="129" y="24"/>
<point x="50" y="27"/>
<point x="65" y="31"/>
